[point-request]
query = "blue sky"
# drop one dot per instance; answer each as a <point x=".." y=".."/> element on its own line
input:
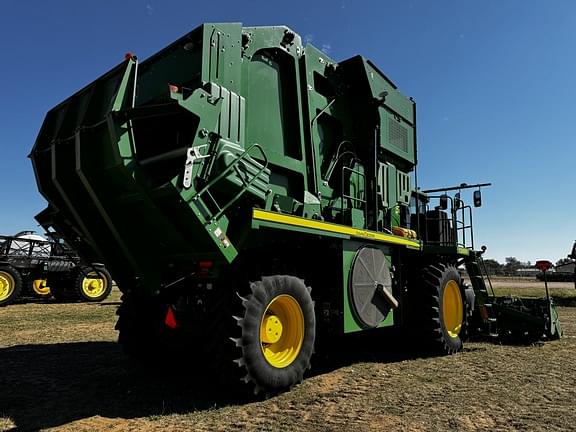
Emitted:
<point x="494" y="80"/>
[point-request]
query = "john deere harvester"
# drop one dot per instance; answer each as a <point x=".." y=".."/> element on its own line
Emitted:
<point x="253" y="197"/>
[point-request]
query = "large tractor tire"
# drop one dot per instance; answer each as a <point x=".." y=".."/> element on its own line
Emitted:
<point x="278" y="329"/>
<point x="40" y="288"/>
<point x="10" y="284"/>
<point x="92" y="284"/>
<point x="440" y="308"/>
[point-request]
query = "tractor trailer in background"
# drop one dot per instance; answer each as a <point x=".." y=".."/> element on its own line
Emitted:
<point x="254" y="199"/>
<point x="33" y="265"/>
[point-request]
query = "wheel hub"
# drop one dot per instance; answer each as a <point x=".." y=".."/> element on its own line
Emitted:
<point x="6" y="285"/>
<point x="93" y="287"/>
<point x="271" y="330"/>
<point x="282" y="331"/>
<point x="452" y="309"/>
<point x="40" y="287"/>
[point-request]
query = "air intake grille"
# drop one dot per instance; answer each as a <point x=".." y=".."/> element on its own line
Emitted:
<point x="397" y="135"/>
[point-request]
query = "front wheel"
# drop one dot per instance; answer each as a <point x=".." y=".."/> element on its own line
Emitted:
<point x="10" y="284"/>
<point x="278" y="333"/>
<point x="441" y="317"/>
<point x="92" y="284"/>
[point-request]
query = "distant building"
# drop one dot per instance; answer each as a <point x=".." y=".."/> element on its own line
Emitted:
<point x="566" y="268"/>
<point x="527" y="272"/>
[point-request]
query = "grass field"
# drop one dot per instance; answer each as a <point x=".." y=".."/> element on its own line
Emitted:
<point x="62" y="370"/>
<point x="563" y="292"/>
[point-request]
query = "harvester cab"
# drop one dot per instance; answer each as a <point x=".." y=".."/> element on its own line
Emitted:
<point x="258" y="168"/>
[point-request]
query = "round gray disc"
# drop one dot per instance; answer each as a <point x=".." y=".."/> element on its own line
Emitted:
<point x="369" y="270"/>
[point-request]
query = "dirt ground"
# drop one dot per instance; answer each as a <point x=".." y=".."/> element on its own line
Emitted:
<point x="523" y="284"/>
<point x="60" y="369"/>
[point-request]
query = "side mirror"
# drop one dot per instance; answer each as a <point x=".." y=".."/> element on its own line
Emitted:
<point x="477" y="198"/>
<point x="444" y="202"/>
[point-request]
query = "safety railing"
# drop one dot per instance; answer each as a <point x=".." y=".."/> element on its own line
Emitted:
<point x="447" y="225"/>
<point x="224" y="173"/>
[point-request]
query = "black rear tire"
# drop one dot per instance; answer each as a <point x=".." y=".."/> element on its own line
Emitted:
<point x="10" y="284"/>
<point x="287" y="298"/>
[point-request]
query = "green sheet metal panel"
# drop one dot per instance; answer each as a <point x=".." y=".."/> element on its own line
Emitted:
<point x="397" y="133"/>
<point x="273" y="119"/>
<point x="270" y="84"/>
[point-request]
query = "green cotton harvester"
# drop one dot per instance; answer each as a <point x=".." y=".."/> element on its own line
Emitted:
<point x="253" y="198"/>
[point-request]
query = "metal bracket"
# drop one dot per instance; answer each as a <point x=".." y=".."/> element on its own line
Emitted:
<point x="192" y="155"/>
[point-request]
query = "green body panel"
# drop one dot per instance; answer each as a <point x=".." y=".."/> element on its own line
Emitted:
<point x="351" y="324"/>
<point x="271" y="85"/>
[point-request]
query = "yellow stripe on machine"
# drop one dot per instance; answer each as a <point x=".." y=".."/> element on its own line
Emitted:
<point x="333" y="228"/>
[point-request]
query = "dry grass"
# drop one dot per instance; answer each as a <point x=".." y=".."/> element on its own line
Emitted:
<point x="562" y="291"/>
<point x="61" y="370"/>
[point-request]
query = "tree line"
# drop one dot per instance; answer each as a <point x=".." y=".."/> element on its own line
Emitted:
<point x="512" y="265"/>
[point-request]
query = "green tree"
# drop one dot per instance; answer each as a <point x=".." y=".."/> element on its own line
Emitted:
<point x="512" y="264"/>
<point x="493" y="267"/>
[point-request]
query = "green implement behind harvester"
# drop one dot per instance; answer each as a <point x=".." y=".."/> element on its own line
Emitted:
<point x="236" y="169"/>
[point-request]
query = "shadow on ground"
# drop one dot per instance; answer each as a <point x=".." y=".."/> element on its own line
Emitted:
<point x="50" y="385"/>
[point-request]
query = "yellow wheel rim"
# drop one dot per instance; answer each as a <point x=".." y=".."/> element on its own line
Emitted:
<point x="282" y="331"/>
<point x="7" y="284"/>
<point x="93" y="285"/>
<point x="39" y="287"/>
<point x="452" y="309"/>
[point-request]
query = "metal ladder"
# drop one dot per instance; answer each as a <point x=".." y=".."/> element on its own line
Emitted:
<point x="478" y="275"/>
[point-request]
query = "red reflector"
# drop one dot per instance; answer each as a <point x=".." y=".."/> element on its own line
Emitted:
<point x="128" y="56"/>
<point x="543" y="265"/>
<point x="170" y="319"/>
<point x="484" y="313"/>
<point x="173" y="88"/>
<point x="205" y="265"/>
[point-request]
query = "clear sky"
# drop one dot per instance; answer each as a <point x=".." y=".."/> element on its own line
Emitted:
<point x="494" y="81"/>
